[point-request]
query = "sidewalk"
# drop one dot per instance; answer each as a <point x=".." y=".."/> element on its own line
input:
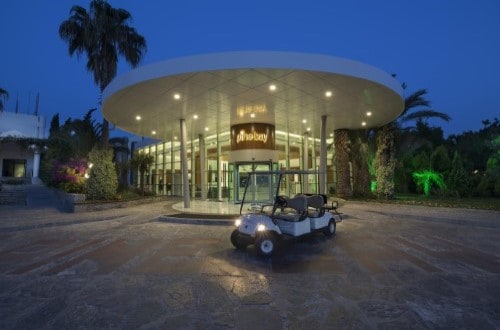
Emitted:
<point x="37" y="206"/>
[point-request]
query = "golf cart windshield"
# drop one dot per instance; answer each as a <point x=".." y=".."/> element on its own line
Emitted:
<point x="262" y="188"/>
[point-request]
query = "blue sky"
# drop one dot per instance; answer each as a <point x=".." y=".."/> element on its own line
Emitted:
<point x="450" y="47"/>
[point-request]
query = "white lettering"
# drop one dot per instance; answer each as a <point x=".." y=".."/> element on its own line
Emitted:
<point x="243" y="136"/>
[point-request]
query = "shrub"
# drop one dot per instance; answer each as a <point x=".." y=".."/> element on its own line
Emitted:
<point x="102" y="183"/>
<point x="67" y="176"/>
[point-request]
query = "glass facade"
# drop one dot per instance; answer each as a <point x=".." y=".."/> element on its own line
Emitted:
<point x="225" y="180"/>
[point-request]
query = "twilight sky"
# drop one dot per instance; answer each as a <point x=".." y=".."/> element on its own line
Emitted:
<point x="450" y="47"/>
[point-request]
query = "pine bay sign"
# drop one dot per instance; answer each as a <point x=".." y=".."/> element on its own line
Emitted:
<point x="252" y="136"/>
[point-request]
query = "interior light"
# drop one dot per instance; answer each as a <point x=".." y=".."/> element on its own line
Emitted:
<point x="331" y="134"/>
<point x="328" y="94"/>
<point x="304" y="121"/>
<point x="137" y="117"/>
<point x="309" y="129"/>
<point x="272" y="87"/>
<point x="252" y="115"/>
<point x="206" y="129"/>
<point x="369" y="113"/>
<point x="177" y="96"/>
<point x="363" y="123"/>
<point x="153" y="132"/>
<point x="195" y="116"/>
<point x="175" y="137"/>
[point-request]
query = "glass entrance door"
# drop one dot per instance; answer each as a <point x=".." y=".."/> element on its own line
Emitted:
<point x="241" y="175"/>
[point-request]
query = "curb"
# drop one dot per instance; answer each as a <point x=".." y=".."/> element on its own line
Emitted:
<point x="197" y="221"/>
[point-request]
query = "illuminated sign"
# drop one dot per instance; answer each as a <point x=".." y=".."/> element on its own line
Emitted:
<point x="243" y="110"/>
<point x="252" y="136"/>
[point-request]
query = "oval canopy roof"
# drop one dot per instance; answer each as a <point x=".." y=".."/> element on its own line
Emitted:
<point x="290" y="90"/>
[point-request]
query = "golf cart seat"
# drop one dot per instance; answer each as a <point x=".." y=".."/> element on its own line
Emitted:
<point x="294" y="209"/>
<point x="315" y="206"/>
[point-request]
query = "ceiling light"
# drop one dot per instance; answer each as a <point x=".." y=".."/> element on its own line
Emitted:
<point x="272" y="87"/>
<point x="206" y="129"/>
<point x="252" y="115"/>
<point x="177" y="96"/>
<point x="137" y="117"/>
<point x="328" y="94"/>
<point x="304" y="121"/>
<point x="363" y="123"/>
<point x="309" y="129"/>
<point x="369" y="113"/>
<point x="153" y="132"/>
<point x="195" y="116"/>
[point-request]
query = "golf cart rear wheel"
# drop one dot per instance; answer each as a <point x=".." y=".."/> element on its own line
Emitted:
<point x="237" y="242"/>
<point x="265" y="244"/>
<point x="331" y="228"/>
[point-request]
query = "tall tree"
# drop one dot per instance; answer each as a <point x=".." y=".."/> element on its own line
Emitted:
<point x="361" y="157"/>
<point x="141" y="163"/>
<point x="385" y="158"/>
<point x="342" y="143"/>
<point x="103" y="34"/>
<point x="54" y="126"/>
<point x="4" y="96"/>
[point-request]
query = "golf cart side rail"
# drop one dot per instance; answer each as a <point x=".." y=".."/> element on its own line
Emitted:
<point x="280" y="173"/>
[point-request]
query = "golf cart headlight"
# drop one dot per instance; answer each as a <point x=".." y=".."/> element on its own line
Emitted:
<point x="261" y="227"/>
<point x="237" y="222"/>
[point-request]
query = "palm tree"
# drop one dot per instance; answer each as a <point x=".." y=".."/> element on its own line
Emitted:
<point x="102" y="33"/>
<point x="342" y="143"/>
<point x="4" y="96"/>
<point x="385" y="157"/>
<point x="141" y="162"/>
<point x="426" y="178"/>
<point x="361" y="156"/>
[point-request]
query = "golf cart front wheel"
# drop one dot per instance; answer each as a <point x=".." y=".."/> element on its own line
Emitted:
<point x="331" y="228"/>
<point x="265" y="244"/>
<point x="237" y="241"/>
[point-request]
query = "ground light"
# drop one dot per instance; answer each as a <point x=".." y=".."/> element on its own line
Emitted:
<point x="426" y="178"/>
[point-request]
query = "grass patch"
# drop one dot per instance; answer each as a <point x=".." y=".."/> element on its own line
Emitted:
<point x="482" y="203"/>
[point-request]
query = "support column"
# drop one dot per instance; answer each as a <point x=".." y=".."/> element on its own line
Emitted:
<point x="184" y="165"/>
<point x="219" y="170"/>
<point x="305" y="178"/>
<point x="203" y="170"/>
<point x="322" y="157"/>
<point x="193" y="171"/>
<point x="36" y="163"/>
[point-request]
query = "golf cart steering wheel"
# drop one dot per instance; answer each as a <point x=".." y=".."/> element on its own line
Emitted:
<point x="281" y="201"/>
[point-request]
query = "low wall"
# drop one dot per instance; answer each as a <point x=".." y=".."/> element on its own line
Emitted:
<point x="78" y="203"/>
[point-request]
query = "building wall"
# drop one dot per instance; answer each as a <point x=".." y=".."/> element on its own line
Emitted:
<point x="18" y="125"/>
<point x="164" y="176"/>
<point x="22" y="125"/>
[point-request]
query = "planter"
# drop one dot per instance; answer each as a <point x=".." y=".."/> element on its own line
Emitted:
<point x="75" y="198"/>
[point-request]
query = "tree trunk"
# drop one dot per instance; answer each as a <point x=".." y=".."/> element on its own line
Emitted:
<point x="361" y="176"/>
<point x="343" y="186"/>
<point x="361" y="179"/>
<point x="104" y="133"/>
<point x="385" y="161"/>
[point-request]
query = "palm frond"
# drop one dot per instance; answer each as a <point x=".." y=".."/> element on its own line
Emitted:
<point x="424" y="114"/>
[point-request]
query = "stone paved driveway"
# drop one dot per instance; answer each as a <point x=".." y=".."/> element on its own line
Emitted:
<point x="387" y="267"/>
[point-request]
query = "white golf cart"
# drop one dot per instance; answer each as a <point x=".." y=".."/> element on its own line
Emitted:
<point x="267" y="215"/>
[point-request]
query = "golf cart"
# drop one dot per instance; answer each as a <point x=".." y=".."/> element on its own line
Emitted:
<point x="268" y="215"/>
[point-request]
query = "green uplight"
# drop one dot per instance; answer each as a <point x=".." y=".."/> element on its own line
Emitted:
<point x="373" y="186"/>
<point x="426" y="178"/>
